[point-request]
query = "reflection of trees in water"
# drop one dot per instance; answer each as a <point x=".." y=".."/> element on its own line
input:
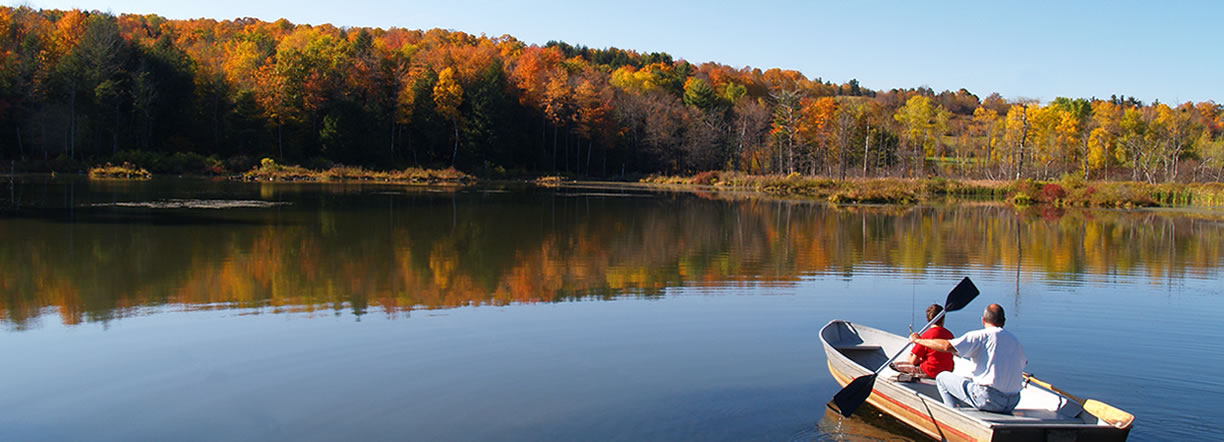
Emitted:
<point x="435" y="253"/>
<point x="870" y="424"/>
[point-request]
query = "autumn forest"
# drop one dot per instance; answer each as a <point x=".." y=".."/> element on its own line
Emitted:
<point x="212" y="96"/>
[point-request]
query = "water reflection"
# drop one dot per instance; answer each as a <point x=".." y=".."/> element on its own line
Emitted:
<point x="870" y="424"/>
<point x="85" y="251"/>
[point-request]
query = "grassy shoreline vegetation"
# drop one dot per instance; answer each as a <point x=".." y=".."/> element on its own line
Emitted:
<point x="123" y="171"/>
<point x="269" y="170"/>
<point x="1069" y="191"/>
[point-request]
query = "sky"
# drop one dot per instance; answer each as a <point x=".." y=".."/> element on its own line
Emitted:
<point x="1152" y="50"/>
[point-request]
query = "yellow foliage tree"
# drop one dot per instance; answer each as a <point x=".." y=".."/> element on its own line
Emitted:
<point x="987" y="128"/>
<point x="447" y="96"/>
<point x="922" y="123"/>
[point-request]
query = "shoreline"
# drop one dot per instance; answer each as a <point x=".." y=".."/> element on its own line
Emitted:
<point x="1068" y="192"/>
<point x="1025" y="193"/>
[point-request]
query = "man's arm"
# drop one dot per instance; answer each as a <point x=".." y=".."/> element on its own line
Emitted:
<point x="933" y="344"/>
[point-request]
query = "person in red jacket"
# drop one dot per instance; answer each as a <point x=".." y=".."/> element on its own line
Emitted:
<point x="924" y="361"/>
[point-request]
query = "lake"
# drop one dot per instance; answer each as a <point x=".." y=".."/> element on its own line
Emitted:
<point x="180" y="309"/>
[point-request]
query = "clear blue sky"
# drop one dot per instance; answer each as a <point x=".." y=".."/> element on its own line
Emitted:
<point x="1166" y="50"/>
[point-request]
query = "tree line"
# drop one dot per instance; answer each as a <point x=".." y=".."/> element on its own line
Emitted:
<point x="80" y="87"/>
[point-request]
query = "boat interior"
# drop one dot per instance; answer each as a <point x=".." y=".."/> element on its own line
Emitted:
<point x="1037" y="405"/>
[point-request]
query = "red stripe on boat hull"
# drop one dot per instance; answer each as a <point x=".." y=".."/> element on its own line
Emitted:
<point x="959" y="435"/>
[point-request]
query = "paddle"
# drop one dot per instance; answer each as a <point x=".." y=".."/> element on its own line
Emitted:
<point x="856" y="392"/>
<point x="1105" y="412"/>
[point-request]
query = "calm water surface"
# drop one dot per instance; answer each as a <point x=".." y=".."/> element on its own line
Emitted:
<point x="199" y="310"/>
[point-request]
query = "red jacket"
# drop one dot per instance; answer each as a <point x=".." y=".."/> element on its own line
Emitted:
<point x="930" y="361"/>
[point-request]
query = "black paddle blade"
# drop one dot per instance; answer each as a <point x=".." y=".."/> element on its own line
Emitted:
<point x="961" y="296"/>
<point x="848" y="399"/>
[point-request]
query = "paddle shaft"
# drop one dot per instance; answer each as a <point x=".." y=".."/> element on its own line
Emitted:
<point x="1047" y="386"/>
<point x="908" y="344"/>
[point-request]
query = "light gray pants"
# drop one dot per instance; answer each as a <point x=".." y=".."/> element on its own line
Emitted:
<point x="953" y="387"/>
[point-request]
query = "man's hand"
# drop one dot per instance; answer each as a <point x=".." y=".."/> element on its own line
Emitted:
<point x="913" y="337"/>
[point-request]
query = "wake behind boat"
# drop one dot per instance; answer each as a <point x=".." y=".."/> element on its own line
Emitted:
<point x="855" y="350"/>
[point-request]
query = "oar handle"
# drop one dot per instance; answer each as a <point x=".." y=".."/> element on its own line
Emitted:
<point x="907" y="344"/>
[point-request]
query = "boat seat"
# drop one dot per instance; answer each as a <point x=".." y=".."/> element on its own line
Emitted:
<point x="857" y="347"/>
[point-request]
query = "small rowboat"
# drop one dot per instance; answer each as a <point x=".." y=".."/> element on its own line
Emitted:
<point x="854" y="350"/>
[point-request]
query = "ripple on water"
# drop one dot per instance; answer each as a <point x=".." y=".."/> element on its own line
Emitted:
<point x="194" y="204"/>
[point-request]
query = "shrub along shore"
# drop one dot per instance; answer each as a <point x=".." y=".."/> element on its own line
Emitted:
<point x="123" y="171"/>
<point x="269" y="170"/>
<point x="1069" y="191"/>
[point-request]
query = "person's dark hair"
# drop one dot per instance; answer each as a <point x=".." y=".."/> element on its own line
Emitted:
<point x="933" y="310"/>
<point x="994" y="315"/>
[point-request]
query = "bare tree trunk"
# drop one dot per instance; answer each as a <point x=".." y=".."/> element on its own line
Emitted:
<point x="866" y="148"/>
<point x="909" y="145"/>
<point x="841" y="163"/>
<point x="790" y="141"/>
<point x="989" y="154"/>
<point x="778" y="158"/>
<point x="1135" y="167"/>
<point x="1085" y="159"/>
<point x="791" y="162"/>
<point x="1175" y="157"/>
<point x="1023" y="135"/>
<point x="739" y="151"/>
<point x="455" y="152"/>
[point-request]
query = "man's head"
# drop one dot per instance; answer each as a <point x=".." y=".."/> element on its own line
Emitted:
<point x="994" y="315"/>
<point x="933" y="310"/>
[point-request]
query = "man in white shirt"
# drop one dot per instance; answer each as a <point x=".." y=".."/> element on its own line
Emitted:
<point x="998" y="362"/>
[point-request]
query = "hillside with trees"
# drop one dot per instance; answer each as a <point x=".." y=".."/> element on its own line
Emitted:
<point x="79" y="88"/>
